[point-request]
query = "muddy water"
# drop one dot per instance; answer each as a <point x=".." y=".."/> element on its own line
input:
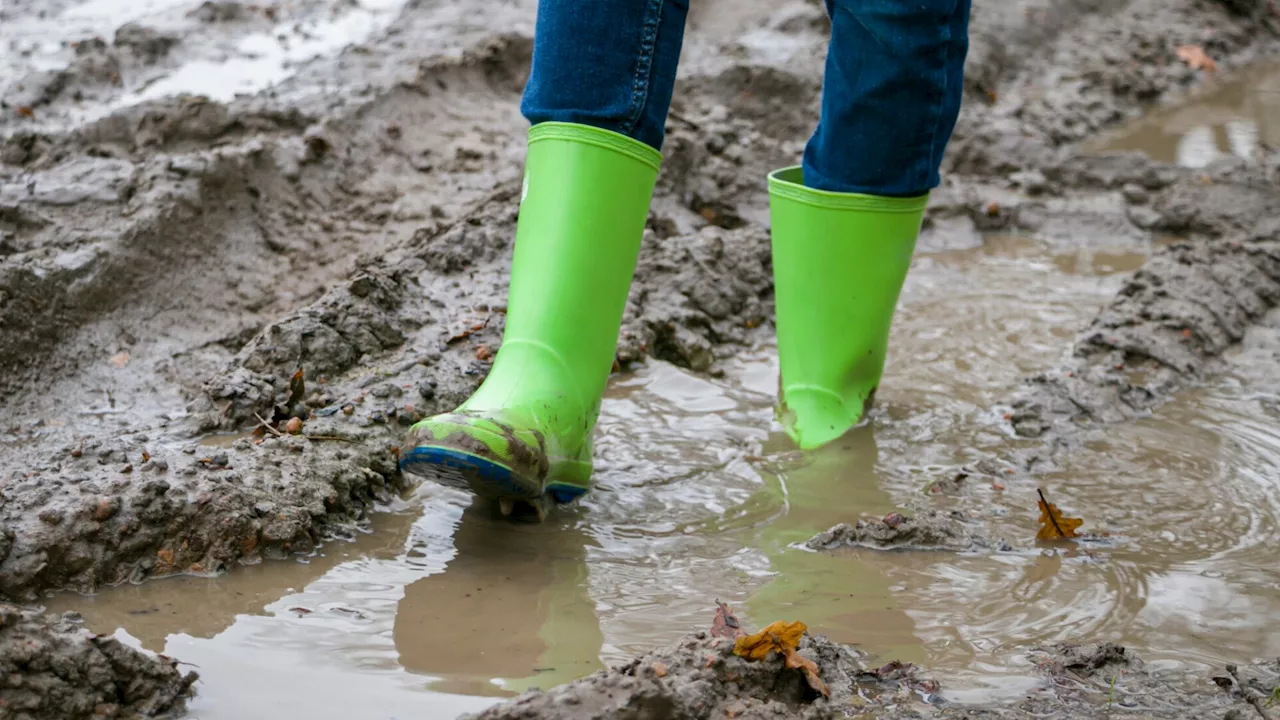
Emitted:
<point x="445" y="609"/>
<point x="1238" y="116"/>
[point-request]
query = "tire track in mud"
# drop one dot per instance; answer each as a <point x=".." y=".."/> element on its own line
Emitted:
<point x="102" y="509"/>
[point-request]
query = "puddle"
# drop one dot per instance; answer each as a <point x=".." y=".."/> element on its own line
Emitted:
<point x="448" y="609"/>
<point x="234" y="58"/>
<point x="262" y="59"/>
<point x="1234" y="116"/>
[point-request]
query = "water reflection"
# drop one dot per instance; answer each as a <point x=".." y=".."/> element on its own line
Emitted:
<point x="844" y="595"/>
<point x="511" y="611"/>
<point x="1236" y="116"/>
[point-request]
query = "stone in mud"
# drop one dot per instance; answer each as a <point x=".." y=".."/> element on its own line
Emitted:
<point x="928" y="530"/>
<point x="52" y="668"/>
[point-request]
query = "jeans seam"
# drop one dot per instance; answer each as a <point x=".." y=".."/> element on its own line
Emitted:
<point x="941" y="99"/>
<point x="644" y="65"/>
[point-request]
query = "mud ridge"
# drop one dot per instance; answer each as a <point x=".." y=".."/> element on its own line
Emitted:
<point x="700" y="677"/>
<point x="927" y="530"/>
<point x="96" y="509"/>
<point x="52" y="668"/>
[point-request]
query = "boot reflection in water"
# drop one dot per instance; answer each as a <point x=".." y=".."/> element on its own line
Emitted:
<point x="844" y="226"/>
<point x="844" y="595"/>
<point x="512" y="607"/>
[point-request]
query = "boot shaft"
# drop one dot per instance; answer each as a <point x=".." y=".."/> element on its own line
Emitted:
<point x="839" y="262"/>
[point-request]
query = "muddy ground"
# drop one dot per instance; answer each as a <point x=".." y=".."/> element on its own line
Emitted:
<point x="51" y="667"/>
<point x="167" y="266"/>
<point x="701" y="677"/>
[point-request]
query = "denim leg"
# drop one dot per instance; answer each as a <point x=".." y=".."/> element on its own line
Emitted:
<point x="609" y="64"/>
<point x="890" y="95"/>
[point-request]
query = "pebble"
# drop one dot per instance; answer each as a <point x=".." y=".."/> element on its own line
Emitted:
<point x="1135" y="194"/>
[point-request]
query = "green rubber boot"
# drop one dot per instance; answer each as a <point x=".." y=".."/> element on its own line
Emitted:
<point x="525" y="435"/>
<point x="839" y="261"/>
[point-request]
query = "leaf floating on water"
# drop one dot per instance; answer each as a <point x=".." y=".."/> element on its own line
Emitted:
<point x="1195" y="58"/>
<point x="779" y="636"/>
<point x="726" y="624"/>
<point x="1053" y="524"/>
<point x="797" y="661"/>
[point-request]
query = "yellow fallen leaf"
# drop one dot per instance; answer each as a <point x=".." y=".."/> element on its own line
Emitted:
<point x="1053" y="524"/>
<point x="783" y="637"/>
<point x="779" y="636"/>
<point x="1195" y="58"/>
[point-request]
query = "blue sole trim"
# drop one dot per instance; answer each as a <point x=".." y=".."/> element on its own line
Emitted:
<point x="465" y="471"/>
<point x="565" y="494"/>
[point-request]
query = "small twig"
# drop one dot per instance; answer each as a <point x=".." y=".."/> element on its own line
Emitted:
<point x="1049" y="511"/>
<point x="327" y="437"/>
<point x="681" y="118"/>
<point x="267" y="425"/>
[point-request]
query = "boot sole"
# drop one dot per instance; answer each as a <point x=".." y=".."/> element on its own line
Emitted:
<point x="465" y="471"/>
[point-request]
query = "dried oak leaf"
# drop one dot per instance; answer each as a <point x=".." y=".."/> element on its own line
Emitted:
<point x="1053" y="524"/>
<point x="726" y="624"/>
<point x="1195" y="58"/>
<point x="797" y="661"/>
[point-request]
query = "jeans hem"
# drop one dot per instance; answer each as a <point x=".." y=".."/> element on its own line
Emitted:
<point x="599" y="137"/>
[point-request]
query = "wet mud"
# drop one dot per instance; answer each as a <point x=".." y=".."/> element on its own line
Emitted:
<point x="169" y="261"/>
<point x="931" y="530"/>
<point x="51" y="667"/>
<point x="701" y="677"/>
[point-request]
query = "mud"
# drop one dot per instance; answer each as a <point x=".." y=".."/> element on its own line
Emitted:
<point x="50" y="667"/>
<point x="168" y="261"/>
<point x="701" y="677"/>
<point x="931" y="530"/>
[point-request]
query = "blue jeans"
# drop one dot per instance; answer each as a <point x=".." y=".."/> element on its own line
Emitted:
<point x="890" y="93"/>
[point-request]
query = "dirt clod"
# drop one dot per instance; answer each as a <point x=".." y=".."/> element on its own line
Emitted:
<point x="930" y="530"/>
<point x="51" y="668"/>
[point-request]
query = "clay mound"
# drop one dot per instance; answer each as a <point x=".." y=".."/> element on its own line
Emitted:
<point x="51" y="668"/>
<point x="700" y="677"/>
